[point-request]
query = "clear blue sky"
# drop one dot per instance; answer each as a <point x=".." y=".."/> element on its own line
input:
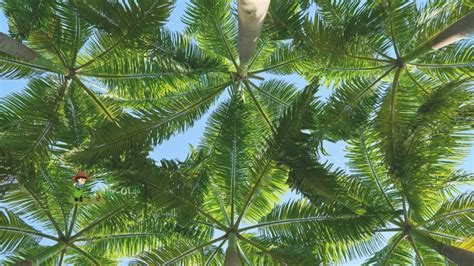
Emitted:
<point x="177" y="146"/>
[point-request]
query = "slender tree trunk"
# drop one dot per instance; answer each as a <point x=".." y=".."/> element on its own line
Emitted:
<point x="13" y="47"/>
<point x="459" y="30"/>
<point x="251" y="16"/>
<point x="458" y="255"/>
<point x="232" y="257"/>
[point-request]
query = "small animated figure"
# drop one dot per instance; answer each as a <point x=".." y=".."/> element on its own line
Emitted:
<point x="79" y="180"/>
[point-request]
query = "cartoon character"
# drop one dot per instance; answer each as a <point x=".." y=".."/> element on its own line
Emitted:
<point x="79" y="180"/>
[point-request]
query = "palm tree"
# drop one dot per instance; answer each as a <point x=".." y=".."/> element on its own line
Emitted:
<point x="430" y="62"/>
<point x="432" y="222"/>
<point x="414" y="189"/>
<point x="40" y="224"/>
<point x="323" y="49"/>
<point x="213" y="26"/>
<point x="231" y="185"/>
<point x="359" y="47"/>
<point x="68" y="48"/>
<point x="400" y="75"/>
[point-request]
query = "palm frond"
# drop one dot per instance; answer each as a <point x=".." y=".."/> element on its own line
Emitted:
<point x="283" y="60"/>
<point x="284" y="20"/>
<point x="183" y="186"/>
<point x="264" y="166"/>
<point x="366" y="161"/>
<point x="14" y="68"/>
<point x="130" y="239"/>
<point x="213" y="24"/>
<point x="30" y="119"/>
<point x="65" y="37"/>
<point x="149" y="126"/>
<point x="26" y="17"/>
<point x="350" y="106"/>
<point x="105" y="106"/>
<point x="16" y="233"/>
<point x="431" y="19"/>
<point x="396" y="252"/>
<point x="429" y="256"/>
<point x="115" y="18"/>
<point x="36" y="255"/>
<point x="453" y="216"/>
<point x="308" y="224"/>
<point x="181" y="251"/>
<point x="448" y="63"/>
<point x="230" y="142"/>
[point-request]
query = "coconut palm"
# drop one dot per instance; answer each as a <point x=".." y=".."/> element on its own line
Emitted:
<point x="231" y="185"/>
<point x="75" y="56"/>
<point x="416" y="184"/>
<point x="212" y="25"/>
<point x="40" y="223"/>
<point x="402" y="95"/>
<point x="400" y="75"/>
<point x="420" y="179"/>
<point x="323" y="49"/>
<point x="75" y="41"/>
<point x="357" y="47"/>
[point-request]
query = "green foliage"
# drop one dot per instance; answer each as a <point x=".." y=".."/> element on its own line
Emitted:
<point x="25" y="17"/>
<point x="125" y="20"/>
<point x="78" y="230"/>
<point x="213" y="25"/>
<point x="150" y="126"/>
<point x="111" y="82"/>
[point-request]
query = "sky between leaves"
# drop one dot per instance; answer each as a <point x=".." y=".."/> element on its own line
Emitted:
<point x="177" y="147"/>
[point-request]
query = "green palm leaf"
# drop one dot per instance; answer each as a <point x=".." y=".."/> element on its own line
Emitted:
<point x="214" y="27"/>
<point x="30" y="119"/>
<point x="15" y="233"/>
<point x="27" y="16"/>
<point x="151" y="127"/>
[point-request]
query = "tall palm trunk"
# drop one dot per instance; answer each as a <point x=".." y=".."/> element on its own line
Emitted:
<point x="251" y="16"/>
<point x="13" y="47"/>
<point x="459" y="30"/>
<point x="232" y="254"/>
<point x="458" y="255"/>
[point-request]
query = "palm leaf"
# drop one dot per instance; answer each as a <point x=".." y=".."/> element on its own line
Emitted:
<point x="307" y="224"/>
<point x="397" y="252"/>
<point x="151" y="127"/>
<point x="214" y="26"/>
<point x="25" y="17"/>
<point x="115" y="18"/>
<point x="28" y="126"/>
<point x="16" y="233"/>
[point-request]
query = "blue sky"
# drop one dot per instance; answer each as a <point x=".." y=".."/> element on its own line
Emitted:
<point x="177" y="146"/>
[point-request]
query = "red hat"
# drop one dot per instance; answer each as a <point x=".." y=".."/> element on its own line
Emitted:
<point x="80" y="174"/>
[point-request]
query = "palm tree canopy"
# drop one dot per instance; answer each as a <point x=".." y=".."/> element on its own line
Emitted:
<point x="108" y="81"/>
<point x="231" y="184"/>
<point x="79" y="232"/>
